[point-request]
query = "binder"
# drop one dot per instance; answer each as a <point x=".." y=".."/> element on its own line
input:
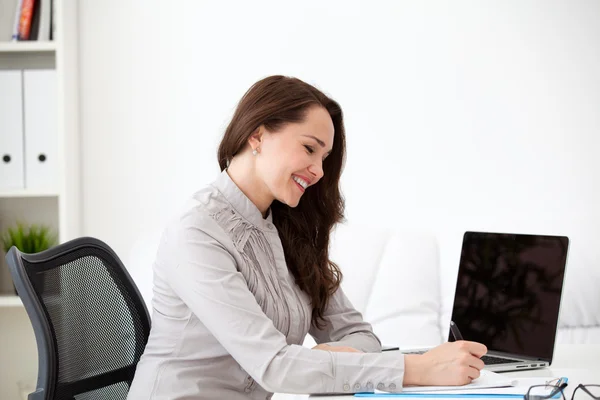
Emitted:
<point x="11" y="131"/>
<point x="45" y="20"/>
<point x="41" y="130"/>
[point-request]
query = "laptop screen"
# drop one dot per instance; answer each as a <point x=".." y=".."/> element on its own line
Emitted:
<point x="508" y="291"/>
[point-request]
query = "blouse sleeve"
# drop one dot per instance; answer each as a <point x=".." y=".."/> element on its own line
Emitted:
<point x="205" y="277"/>
<point x="344" y="326"/>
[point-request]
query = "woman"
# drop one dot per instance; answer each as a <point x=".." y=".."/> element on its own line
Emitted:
<point x="244" y="274"/>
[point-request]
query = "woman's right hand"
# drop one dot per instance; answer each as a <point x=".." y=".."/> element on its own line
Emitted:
<point x="450" y="364"/>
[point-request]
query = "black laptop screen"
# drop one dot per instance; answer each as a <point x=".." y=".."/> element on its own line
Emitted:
<point x="508" y="291"/>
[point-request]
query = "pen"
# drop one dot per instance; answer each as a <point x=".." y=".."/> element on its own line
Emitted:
<point x="455" y="332"/>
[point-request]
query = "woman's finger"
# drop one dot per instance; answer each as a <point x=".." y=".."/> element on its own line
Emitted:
<point x="473" y="373"/>
<point x="476" y="362"/>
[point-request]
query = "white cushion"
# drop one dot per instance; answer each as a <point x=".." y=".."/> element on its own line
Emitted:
<point x="357" y="251"/>
<point x="392" y="278"/>
<point x="404" y="304"/>
<point x="578" y="335"/>
<point x="580" y="306"/>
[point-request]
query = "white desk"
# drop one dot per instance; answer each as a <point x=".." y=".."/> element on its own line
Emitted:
<point x="579" y="363"/>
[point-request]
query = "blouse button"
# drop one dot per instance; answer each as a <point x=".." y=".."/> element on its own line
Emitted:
<point x="270" y="226"/>
<point x="346" y="387"/>
<point x="392" y="386"/>
<point x="356" y="386"/>
<point x="370" y="385"/>
<point x="380" y="386"/>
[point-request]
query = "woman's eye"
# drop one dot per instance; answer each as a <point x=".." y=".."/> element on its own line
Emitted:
<point x="309" y="149"/>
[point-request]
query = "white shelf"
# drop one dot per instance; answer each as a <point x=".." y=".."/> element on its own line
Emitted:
<point x="10" y="301"/>
<point x="27" y="47"/>
<point x="27" y="193"/>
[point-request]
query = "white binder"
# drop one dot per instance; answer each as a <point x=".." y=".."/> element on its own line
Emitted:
<point x="41" y="139"/>
<point x="11" y="131"/>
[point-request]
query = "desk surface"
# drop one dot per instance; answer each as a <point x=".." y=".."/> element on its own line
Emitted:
<point x="578" y="362"/>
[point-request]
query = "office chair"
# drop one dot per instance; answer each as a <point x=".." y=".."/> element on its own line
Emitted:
<point x="90" y="322"/>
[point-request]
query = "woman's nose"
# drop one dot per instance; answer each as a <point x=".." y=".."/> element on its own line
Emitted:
<point x="316" y="171"/>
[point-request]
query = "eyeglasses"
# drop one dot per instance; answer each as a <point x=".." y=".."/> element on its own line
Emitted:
<point x="554" y="390"/>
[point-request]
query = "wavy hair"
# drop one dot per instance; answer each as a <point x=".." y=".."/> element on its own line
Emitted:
<point x="304" y="230"/>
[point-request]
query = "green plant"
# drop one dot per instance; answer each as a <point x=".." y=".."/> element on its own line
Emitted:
<point x="29" y="239"/>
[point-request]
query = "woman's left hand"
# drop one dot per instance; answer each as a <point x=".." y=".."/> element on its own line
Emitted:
<point x="342" y="349"/>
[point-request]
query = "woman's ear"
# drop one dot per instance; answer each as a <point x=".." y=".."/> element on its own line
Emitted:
<point x="255" y="139"/>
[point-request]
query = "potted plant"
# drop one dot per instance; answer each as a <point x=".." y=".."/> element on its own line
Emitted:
<point x="29" y="238"/>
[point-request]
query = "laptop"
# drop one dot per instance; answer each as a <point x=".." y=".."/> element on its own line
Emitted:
<point x="508" y="295"/>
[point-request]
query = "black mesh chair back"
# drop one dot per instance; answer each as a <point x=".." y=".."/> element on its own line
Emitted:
<point x="91" y="324"/>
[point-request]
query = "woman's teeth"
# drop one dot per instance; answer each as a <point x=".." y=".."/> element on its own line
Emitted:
<point x="301" y="182"/>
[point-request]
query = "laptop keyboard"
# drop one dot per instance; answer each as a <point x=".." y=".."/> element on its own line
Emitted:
<point x="491" y="360"/>
<point x="487" y="360"/>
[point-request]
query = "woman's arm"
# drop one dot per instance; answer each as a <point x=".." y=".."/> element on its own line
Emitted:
<point x="344" y="326"/>
<point x="205" y="277"/>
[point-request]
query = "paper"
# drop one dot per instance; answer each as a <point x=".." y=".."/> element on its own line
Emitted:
<point x="487" y="379"/>
<point x="521" y="387"/>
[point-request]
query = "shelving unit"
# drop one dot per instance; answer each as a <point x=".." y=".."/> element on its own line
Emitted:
<point x="27" y="47"/>
<point x="28" y="193"/>
<point x="10" y="301"/>
<point x="57" y="205"/>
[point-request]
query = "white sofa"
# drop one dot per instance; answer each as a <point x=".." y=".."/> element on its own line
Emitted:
<point x="404" y="284"/>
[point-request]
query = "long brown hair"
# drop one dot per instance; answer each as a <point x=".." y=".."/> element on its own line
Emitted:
<point x="304" y="230"/>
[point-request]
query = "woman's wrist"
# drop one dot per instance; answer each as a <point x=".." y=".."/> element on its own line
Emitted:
<point x="412" y="369"/>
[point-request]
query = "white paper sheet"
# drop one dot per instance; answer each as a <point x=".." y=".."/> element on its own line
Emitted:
<point x="487" y="379"/>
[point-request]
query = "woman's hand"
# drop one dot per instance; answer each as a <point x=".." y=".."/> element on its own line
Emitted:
<point x="450" y="364"/>
<point x="342" y="349"/>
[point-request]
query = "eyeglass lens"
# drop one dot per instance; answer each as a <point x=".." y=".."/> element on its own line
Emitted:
<point x="544" y="392"/>
<point x="587" y="392"/>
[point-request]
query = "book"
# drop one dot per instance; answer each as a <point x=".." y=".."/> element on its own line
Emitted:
<point x="27" y="9"/>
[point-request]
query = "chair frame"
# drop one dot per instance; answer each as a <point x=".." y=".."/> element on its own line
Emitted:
<point x="44" y="335"/>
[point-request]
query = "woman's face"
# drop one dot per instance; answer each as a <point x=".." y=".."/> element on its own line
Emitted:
<point x="290" y="160"/>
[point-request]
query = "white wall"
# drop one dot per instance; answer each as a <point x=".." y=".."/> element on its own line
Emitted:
<point x="459" y="115"/>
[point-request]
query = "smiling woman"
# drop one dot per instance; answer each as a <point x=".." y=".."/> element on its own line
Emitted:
<point x="297" y="153"/>
<point x="244" y="274"/>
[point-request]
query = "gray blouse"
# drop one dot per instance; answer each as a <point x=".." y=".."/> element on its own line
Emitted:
<point x="228" y="320"/>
